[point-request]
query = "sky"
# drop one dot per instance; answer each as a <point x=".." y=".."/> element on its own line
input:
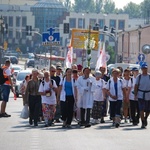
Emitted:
<point x="122" y="3"/>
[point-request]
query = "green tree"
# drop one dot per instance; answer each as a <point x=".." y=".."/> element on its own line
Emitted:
<point x="84" y="6"/>
<point x="134" y="10"/>
<point x="111" y="52"/>
<point x="98" y="5"/>
<point x="66" y="3"/>
<point x="145" y="9"/>
<point x="109" y="6"/>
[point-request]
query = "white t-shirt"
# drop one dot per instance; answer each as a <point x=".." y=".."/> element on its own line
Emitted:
<point x="131" y="84"/>
<point x="51" y="99"/>
<point x="98" y="94"/>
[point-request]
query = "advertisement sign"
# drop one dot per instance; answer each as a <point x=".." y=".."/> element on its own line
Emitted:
<point x="79" y="39"/>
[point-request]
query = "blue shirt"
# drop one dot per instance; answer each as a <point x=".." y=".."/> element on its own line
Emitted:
<point x="68" y="88"/>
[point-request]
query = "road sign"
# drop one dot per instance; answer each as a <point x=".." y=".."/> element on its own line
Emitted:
<point x="141" y="57"/>
<point x="51" y="38"/>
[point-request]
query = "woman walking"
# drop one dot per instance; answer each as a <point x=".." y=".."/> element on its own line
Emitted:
<point x="67" y="94"/>
<point x="47" y="90"/>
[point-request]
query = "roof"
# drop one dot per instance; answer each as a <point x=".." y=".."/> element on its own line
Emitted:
<point x="49" y="4"/>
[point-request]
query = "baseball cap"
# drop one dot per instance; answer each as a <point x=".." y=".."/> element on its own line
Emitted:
<point x="144" y="66"/>
<point x="98" y="73"/>
<point x="134" y="69"/>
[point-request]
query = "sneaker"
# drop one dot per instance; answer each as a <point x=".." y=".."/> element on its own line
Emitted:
<point x="102" y="121"/>
<point x="64" y="124"/>
<point x="117" y="125"/>
<point x="69" y="126"/>
<point x="145" y="122"/>
<point x="30" y="121"/>
<point x="46" y="125"/>
<point x="5" y="115"/>
<point x="143" y="125"/>
<point x="87" y="125"/>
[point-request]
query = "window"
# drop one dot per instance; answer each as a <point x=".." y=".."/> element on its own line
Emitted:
<point x="10" y="21"/>
<point x="24" y="21"/>
<point x="10" y="34"/>
<point x="23" y="35"/>
<point x="101" y="37"/>
<point x="112" y="23"/>
<point x="81" y="23"/>
<point x="121" y="24"/>
<point x="101" y="23"/>
<point x="72" y="23"/>
<point x="5" y="19"/>
<point x="92" y="22"/>
<point x="17" y="35"/>
<point x="18" y="19"/>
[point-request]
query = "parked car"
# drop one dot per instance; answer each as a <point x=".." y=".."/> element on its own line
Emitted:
<point x="13" y="59"/>
<point x="15" y="69"/>
<point x="20" y="77"/>
<point x="31" y="62"/>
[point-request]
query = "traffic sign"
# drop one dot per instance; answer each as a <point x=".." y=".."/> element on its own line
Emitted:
<point x="141" y="57"/>
<point x="51" y="38"/>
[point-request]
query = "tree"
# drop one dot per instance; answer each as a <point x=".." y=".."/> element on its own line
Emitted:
<point x="84" y="6"/>
<point x="111" y="52"/>
<point x="109" y="6"/>
<point x="133" y="10"/>
<point x="66" y="3"/>
<point x="98" y="6"/>
<point x="145" y="9"/>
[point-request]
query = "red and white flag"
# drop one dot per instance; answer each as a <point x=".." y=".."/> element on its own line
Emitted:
<point x="102" y="62"/>
<point x="69" y="57"/>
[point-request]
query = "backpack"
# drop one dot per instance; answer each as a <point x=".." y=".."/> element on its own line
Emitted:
<point x="140" y="79"/>
<point x="3" y="79"/>
<point x="44" y="82"/>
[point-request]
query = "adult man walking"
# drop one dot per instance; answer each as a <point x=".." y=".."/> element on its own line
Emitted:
<point x="5" y="88"/>
<point x="142" y="92"/>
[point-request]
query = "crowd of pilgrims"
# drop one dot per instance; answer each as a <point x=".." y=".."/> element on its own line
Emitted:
<point x="80" y="95"/>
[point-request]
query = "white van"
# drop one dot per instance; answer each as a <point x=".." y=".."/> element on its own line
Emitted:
<point x="123" y="65"/>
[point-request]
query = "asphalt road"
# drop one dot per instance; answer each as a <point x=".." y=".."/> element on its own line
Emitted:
<point x="17" y="134"/>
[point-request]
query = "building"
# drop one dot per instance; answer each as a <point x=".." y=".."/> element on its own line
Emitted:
<point x="17" y="17"/>
<point x="131" y="42"/>
<point x="83" y="20"/>
<point x="48" y="13"/>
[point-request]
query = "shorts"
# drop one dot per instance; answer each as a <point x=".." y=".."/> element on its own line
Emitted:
<point x="144" y="105"/>
<point x="5" y="89"/>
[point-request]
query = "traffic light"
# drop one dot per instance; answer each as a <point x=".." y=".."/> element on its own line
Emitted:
<point x="113" y="30"/>
<point x="66" y="28"/>
<point x="96" y="28"/>
<point x="105" y="28"/>
<point x="28" y="30"/>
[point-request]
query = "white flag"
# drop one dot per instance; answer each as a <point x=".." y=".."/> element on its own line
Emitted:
<point x="101" y="62"/>
<point x="99" y="48"/>
<point x="69" y="57"/>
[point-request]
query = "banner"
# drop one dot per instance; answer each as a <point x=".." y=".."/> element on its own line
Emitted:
<point x="79" y="39"/>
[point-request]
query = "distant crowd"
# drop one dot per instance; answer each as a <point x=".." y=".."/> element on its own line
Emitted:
<point x="53" y="96"/>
